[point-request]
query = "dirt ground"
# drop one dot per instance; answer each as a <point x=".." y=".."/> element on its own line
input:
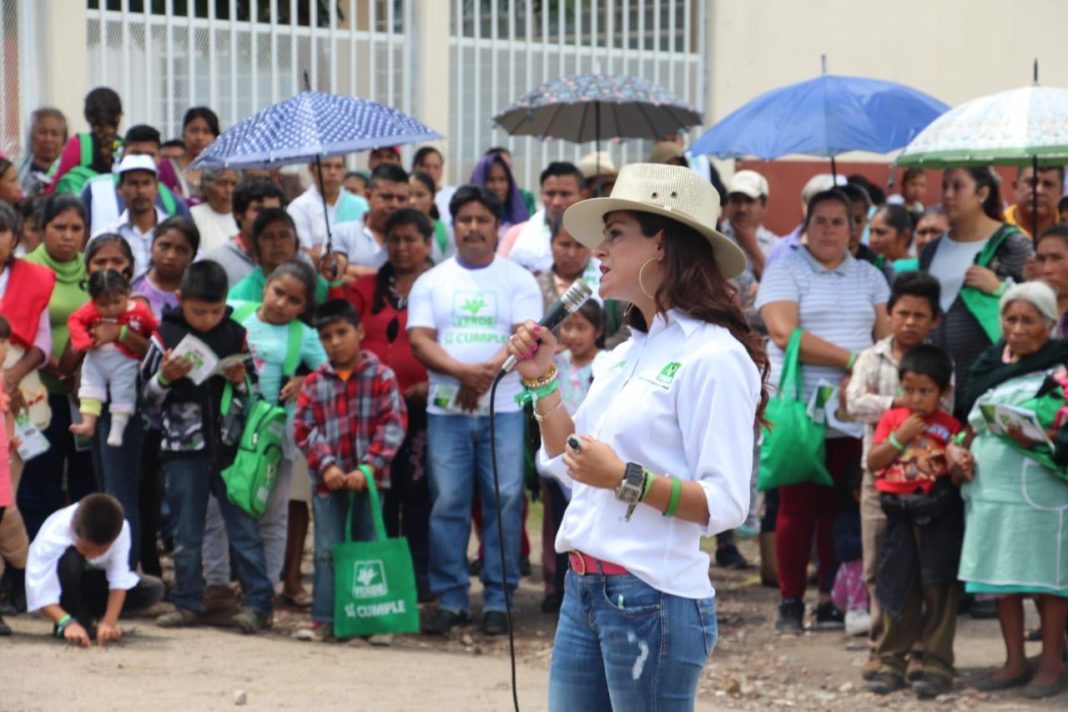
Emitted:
<point x="217" y="669"/>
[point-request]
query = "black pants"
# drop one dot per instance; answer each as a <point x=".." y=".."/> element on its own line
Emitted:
<point x="84" y="590"/>
<point x="41" y="488"/>
<point x="407" y="504"/>
<point x="151" y="498"/>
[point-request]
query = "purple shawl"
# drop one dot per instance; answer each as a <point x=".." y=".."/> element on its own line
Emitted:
<point x="515" y="210"/>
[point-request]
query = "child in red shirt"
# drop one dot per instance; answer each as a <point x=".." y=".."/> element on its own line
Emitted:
<point x="917" y="568"/>
<point x="109" y="367"/>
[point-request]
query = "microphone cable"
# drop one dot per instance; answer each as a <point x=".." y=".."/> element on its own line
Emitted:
<point x="500" y="534"/>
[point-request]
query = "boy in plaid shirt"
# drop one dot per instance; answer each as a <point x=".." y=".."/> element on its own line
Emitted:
<point x="350" y="421"/>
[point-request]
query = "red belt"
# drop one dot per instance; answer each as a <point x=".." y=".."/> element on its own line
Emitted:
<point x="583" y="564"/>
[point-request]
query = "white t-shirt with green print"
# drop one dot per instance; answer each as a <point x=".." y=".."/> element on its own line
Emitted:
<point x="473" y="311"/>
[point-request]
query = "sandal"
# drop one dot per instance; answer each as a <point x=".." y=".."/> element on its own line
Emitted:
<point x="991" y="684"/>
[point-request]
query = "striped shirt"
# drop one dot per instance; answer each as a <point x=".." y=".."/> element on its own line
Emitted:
<point x="350" y="420"/>
<point x="837" y="305"/>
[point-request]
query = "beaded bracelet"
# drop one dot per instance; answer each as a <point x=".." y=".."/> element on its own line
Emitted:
<point x="541" y="380"/>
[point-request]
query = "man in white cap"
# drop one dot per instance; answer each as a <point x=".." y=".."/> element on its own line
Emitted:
<point x="747" y="197"/>
<point x="137" y="223"/>
<point x="792" y="242"/>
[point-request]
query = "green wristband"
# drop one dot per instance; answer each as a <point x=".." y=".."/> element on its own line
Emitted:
<point x="529" y="395"/>
<point x="673" y="503"/>
<point x="162" y="381"/>
<point x="852" y="361"/>
<point x="61" y="625"/>
<point x="1000" y="290"/>
<point x="647" y="484"/>
<point x="898" y="445"/>
<point x="122" y="333"/>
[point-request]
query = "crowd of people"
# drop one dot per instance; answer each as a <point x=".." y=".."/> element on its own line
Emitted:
<point x="377" y="307"/>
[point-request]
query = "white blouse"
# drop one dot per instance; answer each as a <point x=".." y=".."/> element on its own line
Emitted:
<point x="680" y="400"/>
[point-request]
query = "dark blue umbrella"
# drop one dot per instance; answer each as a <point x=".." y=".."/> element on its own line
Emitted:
<point x="823" y="117"/>
<point x="308" y="126"/>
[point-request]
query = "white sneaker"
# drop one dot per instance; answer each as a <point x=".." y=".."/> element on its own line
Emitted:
<point x="857" y="622"/>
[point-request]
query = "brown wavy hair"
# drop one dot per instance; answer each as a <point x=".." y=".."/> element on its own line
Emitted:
<point x="694" y="285"/>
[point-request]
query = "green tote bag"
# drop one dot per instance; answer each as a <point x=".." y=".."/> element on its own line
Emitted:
<point x="374" y="582"/>
<point x="793" y="449"/>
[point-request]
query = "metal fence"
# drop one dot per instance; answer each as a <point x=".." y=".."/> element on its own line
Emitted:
<point x="11" y="66"/>
<point x="503" y="48"/>
<point x="239" y="56"/>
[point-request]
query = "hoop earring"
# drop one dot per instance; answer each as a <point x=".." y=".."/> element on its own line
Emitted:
<point x="641" y="271"/>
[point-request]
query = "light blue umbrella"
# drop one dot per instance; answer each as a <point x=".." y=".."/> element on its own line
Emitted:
<point x="308" y="127"/>
<point x="823" y="117"/>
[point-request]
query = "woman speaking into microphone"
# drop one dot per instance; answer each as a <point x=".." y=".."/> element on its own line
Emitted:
<point x="660" y="452"/>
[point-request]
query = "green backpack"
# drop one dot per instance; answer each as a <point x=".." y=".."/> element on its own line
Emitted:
<point x="251" y="477"/>
<point x="74" y="180"/>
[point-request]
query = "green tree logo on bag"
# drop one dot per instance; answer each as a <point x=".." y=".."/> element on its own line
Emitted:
<point x="369" y="580"/>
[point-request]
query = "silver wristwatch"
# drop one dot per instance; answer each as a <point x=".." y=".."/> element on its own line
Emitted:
<point x="630" y="487"/>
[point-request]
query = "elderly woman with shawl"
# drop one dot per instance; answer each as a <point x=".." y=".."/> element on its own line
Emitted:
<point x="1016" y="494"/>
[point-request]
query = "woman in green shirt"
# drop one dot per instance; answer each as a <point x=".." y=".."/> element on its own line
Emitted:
<point x="891" y="237"/>
<point x="274" y="241"/>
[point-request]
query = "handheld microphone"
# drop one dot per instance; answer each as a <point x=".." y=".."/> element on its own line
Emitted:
<point x="575" y="296"/>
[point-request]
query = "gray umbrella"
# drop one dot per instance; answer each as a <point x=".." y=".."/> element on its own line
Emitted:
<point x="594" y="107"/>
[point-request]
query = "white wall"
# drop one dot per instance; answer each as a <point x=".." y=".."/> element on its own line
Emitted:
<point x="954" y="50"/>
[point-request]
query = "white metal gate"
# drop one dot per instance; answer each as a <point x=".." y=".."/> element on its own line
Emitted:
<point x="503" y="48"/>
<point x="237" y="57"/>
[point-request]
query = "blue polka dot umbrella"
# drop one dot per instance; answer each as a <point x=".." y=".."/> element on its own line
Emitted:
<point x="308" y="126"/>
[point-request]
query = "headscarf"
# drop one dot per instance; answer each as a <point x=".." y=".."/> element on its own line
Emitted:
<point x="989" y="370"/>
<point x="515" y="210"/>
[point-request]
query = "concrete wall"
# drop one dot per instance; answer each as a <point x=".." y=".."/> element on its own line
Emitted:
<point x="955" y="50"/>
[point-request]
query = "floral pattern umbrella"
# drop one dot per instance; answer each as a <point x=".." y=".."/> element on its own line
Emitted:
<point x="1016" y="127"/>
<point x="595" y="107"/>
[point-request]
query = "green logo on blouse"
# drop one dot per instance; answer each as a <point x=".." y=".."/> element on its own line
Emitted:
<point x="667" y="373"/>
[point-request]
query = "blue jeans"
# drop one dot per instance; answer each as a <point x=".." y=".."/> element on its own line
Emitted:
<point x="624" y="646"/>
<point x="119" y="472"/>
<point x="330" y="514"/>
<point x="189" y="480"/>
<point x="459" y="450"/>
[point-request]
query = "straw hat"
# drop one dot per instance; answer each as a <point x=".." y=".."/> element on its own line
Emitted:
<point x="671" y="191"/>
<point x="597" y="163"/>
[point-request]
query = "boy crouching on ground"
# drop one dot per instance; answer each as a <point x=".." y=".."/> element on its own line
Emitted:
<point x="78" y="573"/>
